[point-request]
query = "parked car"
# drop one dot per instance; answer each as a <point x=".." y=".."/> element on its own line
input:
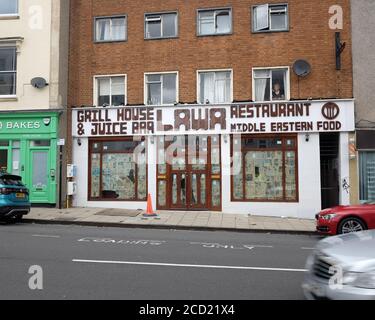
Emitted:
<point x="14" y="198"/>
<point x="346" y="219"/>
<point x="342" y="267"/>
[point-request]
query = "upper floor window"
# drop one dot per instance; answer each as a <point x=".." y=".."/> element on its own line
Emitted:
<point x="271" y="84"/>
<point x="8" y="7"/>
<point x="268" y="17"/>
<point x="215" y="87"/>
<point x="161" y="25"/>
<point x="8" y="71"/>
<point x="161" y="88"/>
<point x="110" y="29"/>
<point x="217" y="21"/>
<point x="110" y="90"/>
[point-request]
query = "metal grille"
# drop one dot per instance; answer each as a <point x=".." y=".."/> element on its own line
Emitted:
<point x="321" y="268"/>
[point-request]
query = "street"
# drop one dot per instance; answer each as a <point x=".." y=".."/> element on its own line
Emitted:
<point x="118" y="263"/>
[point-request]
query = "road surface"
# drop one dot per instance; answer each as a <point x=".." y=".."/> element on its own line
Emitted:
<point x="117" y="263"/>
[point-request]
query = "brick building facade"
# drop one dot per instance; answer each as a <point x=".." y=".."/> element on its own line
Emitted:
<point x="237" y="47"/>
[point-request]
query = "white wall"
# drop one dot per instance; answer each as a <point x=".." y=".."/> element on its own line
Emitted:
<point x="33" y="58"/>
<point x="309" y="185"/>
<point x="80" y="158"/>
<point x="344" y="167"/>
<point x="308" y="176"/>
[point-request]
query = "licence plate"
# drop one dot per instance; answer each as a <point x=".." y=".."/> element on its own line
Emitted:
<point x="317" y="290"/>
<point x="20" y="195"/>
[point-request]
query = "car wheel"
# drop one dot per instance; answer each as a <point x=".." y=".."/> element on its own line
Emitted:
<point x="349" y="225"/>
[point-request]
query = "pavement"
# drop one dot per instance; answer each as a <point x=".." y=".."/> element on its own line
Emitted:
<point x="200" y="220"/>
<point x="82" y="262"/>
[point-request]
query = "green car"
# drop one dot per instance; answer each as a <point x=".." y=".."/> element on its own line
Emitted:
<point x="14" y="198"/>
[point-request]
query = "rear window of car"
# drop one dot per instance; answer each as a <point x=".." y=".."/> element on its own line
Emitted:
<point x="11" y="182"/>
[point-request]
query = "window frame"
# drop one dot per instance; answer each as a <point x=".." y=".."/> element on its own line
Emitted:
<point x="96" y="87"/>
<point x="161" y="13"/>
<point x="286" y="92"/>
<point x="252" y="14"/>
<point x="283" y="149"/>
<point x="110" y="17"/>
<point x="215" y="70"/>
<point x="198" y="34"/>
<point x="91" y="141"/>
<point x="14" y="72"/>
<point x="4" y="16"/>
<point x="145" y="88"/>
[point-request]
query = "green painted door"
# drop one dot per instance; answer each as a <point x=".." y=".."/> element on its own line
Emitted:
<point x="41" y="179"/>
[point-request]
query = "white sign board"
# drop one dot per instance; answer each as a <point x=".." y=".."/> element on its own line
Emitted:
<point x="286" y="117"/>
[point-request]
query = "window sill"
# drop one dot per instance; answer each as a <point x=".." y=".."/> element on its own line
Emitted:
<point x="273" y="101"/>
<point x="8" y="98"/>
<point x="161" y="38"/>
<point x="214" y="35"/>
<point x="9" y="16"/>
<point x="161" y="105"/>
<point x="269" y="31"/>
<point x="109" y="41"/>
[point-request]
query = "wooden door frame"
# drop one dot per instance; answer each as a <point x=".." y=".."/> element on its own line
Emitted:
<point x="189" y="172"/>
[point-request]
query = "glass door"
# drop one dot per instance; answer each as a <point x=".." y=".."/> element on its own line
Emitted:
<point x="178" y="173"/>
<point x="189" y="173"/>
<point x="197" y="171"/>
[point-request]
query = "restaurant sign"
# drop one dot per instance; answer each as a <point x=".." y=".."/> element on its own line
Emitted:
<point x="303" y="117"/>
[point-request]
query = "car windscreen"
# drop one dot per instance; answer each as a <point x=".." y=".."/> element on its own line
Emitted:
<point x="11" y="181"/>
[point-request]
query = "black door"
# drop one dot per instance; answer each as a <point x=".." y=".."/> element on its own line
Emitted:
<point x="329" y="169"/>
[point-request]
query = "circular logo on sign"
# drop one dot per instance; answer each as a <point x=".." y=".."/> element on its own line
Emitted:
<point x="330" y="111"/>
<point x="47" y="121"/>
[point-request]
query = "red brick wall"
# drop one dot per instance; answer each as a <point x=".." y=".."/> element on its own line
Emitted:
<point x="309" y="38"/>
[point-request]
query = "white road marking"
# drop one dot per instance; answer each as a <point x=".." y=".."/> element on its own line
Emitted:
<point x="45" y="236"/>
<point x="187" y="265"/>
<point x="130" y="242"/>
<point x="229" y="246"/>
<point x="305" y="248"/>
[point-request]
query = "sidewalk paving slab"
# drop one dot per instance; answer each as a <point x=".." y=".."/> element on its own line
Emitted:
<point x="174" y="219"/>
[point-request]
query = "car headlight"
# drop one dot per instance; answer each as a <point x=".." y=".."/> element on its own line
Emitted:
<point x="364" y="280"/>
<point x="329" y="216"/>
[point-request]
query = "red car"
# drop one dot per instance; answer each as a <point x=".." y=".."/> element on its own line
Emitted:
<point x="345" y="219"/>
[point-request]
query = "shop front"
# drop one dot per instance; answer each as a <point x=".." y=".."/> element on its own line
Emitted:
<point x="261" y="159"/>
<point x="28" y="148"/>
<point x="365" y="140"/>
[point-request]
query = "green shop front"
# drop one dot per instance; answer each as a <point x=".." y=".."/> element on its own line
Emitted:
<point x="28" y="147"/>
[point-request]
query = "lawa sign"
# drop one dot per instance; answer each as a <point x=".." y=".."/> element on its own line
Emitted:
<point x="304" y="116"/>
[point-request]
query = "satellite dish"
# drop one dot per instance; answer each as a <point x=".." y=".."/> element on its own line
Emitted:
<point x="301" y="68"/>
<point x="39" y="83"/>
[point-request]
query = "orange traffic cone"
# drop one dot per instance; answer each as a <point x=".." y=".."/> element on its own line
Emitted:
<point x="149" y="212"/>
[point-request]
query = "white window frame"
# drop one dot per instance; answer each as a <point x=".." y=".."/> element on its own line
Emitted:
<point x="215" y="70"/>
<point x="16" y="48"/>
<point x="11" y="15"/>
<point x="145" y="92"/>
<point x="216" y="11"/>
<point x="161" y="24"/>
<point x="286" y="92"/>
<point x="269" y="28"/>
<point x="110" y="18"/>
<point x="96" y="91"/>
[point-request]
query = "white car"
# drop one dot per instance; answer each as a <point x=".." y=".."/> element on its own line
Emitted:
<point x="342" y="267"/>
